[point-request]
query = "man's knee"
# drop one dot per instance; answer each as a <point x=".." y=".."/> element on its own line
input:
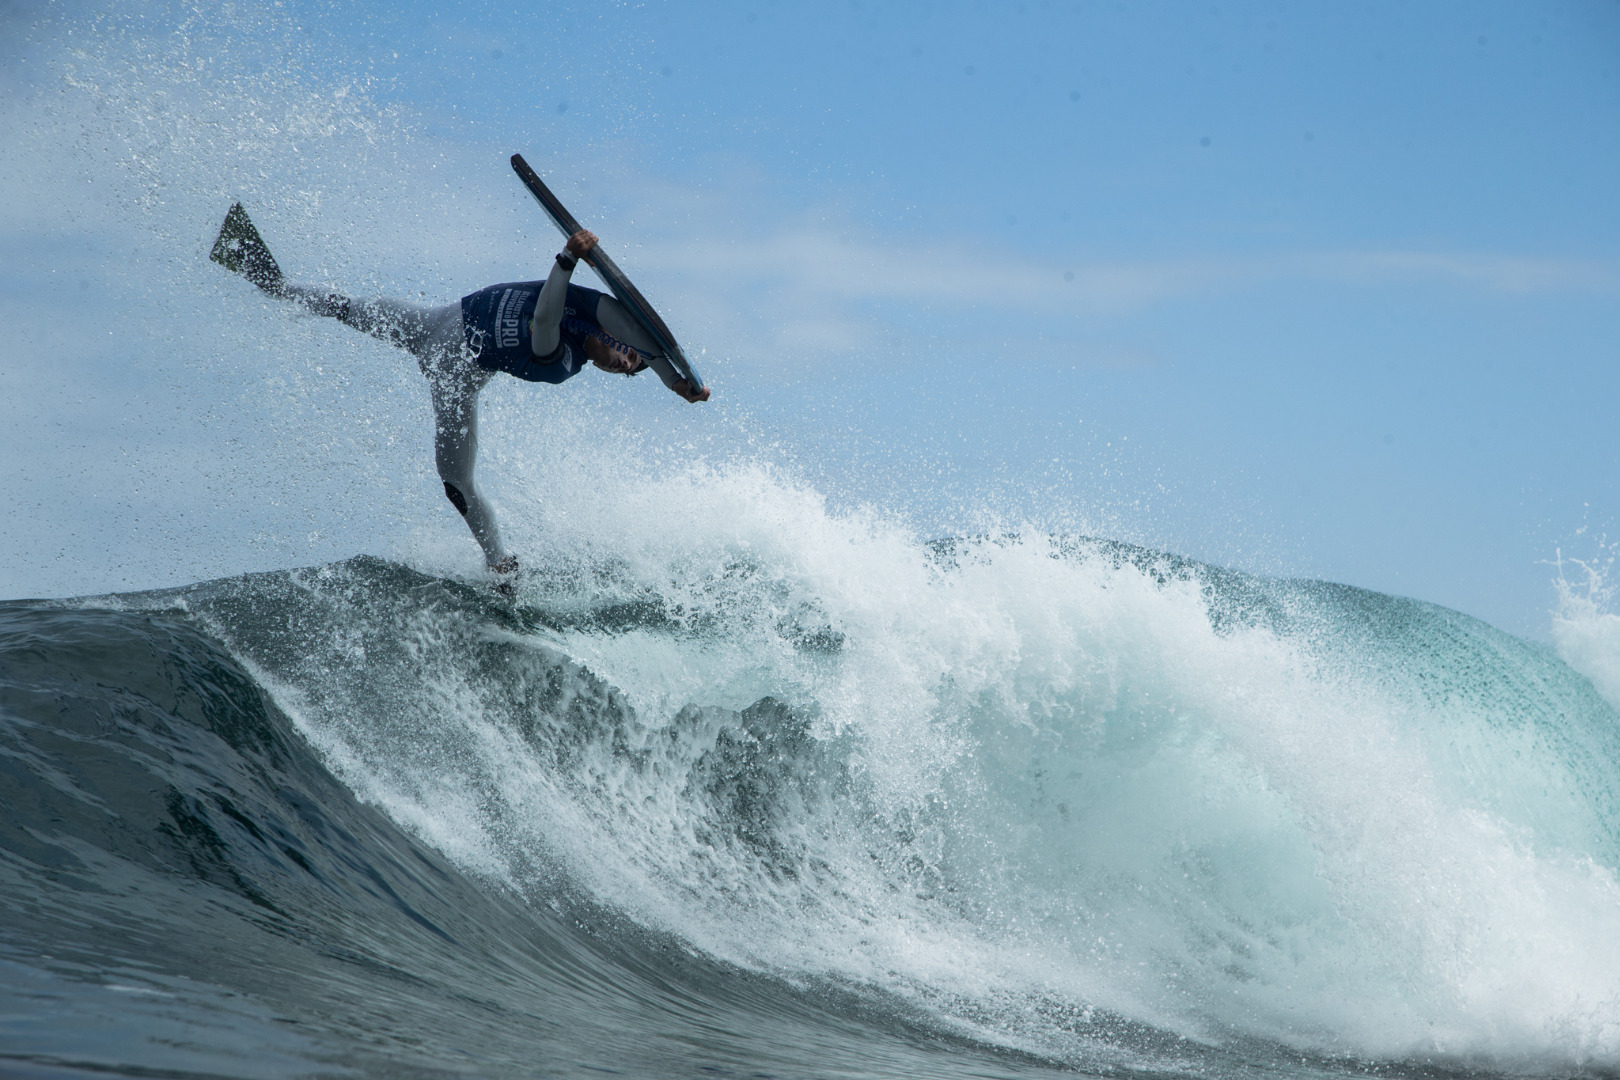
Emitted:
<point x="333" y="306"/>
<point x="457" y="499"/>
<point x="318" y="301"/>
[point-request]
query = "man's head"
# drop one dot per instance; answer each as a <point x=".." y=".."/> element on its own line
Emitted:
<point x="612" y="355"/>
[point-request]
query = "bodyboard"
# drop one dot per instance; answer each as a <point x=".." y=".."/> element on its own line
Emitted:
<point x="621" y="287"/>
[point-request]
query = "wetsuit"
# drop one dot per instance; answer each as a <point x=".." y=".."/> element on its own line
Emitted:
<point x="533" y="330"/>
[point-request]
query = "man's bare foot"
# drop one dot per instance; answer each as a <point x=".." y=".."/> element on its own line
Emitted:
<point x="504" y="572"/>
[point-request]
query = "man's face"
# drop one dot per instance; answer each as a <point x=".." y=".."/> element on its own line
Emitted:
<point x="612" y="356"/>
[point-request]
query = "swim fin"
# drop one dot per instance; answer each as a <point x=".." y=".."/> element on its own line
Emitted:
<point x="241" y="250"/>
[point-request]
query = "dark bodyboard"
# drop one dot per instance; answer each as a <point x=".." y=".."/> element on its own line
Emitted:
<point x="621" y="286"/>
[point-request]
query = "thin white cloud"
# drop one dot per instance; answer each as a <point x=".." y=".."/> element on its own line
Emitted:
<point x="803" y="262"/>
<point x="1496" y="273"/>
<point x="804" y="290"/>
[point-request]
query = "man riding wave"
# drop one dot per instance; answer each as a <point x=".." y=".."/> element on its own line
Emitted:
<point x="538" y="331"/>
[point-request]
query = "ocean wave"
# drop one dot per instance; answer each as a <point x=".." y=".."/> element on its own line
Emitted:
<point x="1065" y="798"/>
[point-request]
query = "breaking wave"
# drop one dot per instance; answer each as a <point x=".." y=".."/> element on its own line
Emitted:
<point x="1077" y="801"/>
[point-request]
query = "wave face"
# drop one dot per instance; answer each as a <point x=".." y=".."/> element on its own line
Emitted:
<point x="864" y="807"/>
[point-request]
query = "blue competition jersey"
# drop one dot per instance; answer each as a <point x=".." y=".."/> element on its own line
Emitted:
<point x="495" y="322"/>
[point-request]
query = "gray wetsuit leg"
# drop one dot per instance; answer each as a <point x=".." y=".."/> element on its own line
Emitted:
<point x="433" y="335"/>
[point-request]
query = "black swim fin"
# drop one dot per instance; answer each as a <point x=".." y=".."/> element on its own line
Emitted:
<point x="241" y="250"/>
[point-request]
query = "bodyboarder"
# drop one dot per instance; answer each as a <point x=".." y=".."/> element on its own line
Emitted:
<point x="539" y="331"/>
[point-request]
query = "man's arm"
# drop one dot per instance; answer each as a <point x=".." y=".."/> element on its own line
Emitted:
<point x="545" y="329"/>
<point x="612" y="317"/>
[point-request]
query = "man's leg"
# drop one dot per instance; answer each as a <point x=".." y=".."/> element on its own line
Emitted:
<point x="398" y="322"/>
<point x="433" y="336"/>
<point x="455" y="451"/>
<point x="242" y="250"/>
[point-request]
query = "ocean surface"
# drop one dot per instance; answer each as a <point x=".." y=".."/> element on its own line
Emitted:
<point x="1003" y="806"/>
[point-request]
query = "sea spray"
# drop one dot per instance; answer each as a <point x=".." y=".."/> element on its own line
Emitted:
<point x="1584" y="627"/>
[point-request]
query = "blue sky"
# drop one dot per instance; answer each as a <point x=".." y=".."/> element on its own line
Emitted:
<point x="1324" y="290"/>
